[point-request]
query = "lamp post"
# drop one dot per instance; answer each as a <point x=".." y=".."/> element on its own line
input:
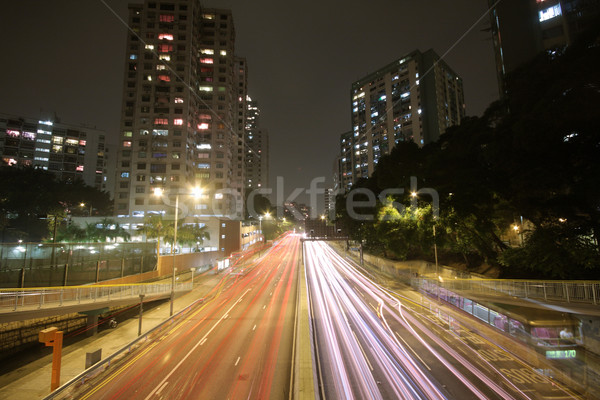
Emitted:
<point x="83" y="205"/>
<point x="196" y="192"/>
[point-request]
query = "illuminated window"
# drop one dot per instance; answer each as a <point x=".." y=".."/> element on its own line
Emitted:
<point x="203" y="126"/>
<point x="79" y="168"/>
<point x="160" y="132"/>
<point x="161" y="121"/>
<point x="164" y="78"/>
<point x="207" y="51"/>
<point x="178" y="121"/>
<point x="165" y="36"/>
<point x="178" y="100"/>
<point x="161" y="67"/>
<point x="208" y="16"/>
<point x="149" y="47"/>
<point x="550" y="12"/>
<point x="223" y="52"/>
<point x="133" y="57"/>
<point x="13" y="133"/>
<point x="206" y="60"/>
<point x="126" y="143"/>
<point x="166" y="18"/>
<point x="164" y="57"/>
<point x="205" y="88"/>
<point x="165" y="48"/>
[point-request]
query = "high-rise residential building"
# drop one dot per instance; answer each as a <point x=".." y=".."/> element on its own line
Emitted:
<point x="71" y="152"/>
<point x="257" y="152"/>
<point x="345" y="161"/>
<point x="521" y="29"/>
<point x="415" y="98"/>
<point x="178" y="126"/>
<point x="239" y="160"/>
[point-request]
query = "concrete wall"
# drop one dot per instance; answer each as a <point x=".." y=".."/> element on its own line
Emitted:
<point x="183" y="262"/>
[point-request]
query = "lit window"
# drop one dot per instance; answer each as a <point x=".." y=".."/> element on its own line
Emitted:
<point x="149" y="47"/>
<point x="160" y="132"/>
<point x="82" y="142"/>
<point x="207" y="51"/>
<point x="166" y="18"/>
<point x="13" y="133"/>
<point x="208" y="16"/>
<point x="164" y="57"/>
<point x="161" y="67"/>
<point x="133" y="56"/>
<point x="161" y="121"/>
<point x="205" y="88"/>
<point x="126" y="143"/>
<point x="223" y="52"/>
<point x="206" y="60"/>
<point x="550" y="12"/>
<point x="165" y="36"/>
<point x="203" y="126"/>
<point x="178" y="121"/>
<point x="178" y="100"/>
<point x="165" y="48"/>
<point x="164" y="78"/>
<point x="124" y="174"/>
<point x="79" y="168"/>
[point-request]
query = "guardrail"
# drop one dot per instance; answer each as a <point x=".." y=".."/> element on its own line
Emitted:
<point x="49" y="297"/>
<point x="68" y="389"/>
<point x="581" y="292"/>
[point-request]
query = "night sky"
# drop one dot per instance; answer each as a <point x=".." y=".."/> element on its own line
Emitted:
<point x="67" y="56"/>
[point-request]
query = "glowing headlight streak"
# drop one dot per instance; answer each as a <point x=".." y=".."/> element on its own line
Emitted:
<point x="340" y="308"/>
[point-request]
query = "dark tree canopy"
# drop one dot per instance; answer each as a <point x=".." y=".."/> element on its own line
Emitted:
<point x="32" y="196"/>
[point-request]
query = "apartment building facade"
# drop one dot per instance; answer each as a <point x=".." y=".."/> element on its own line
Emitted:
<point x="178" y="127"/>
<point x="414" y="98"/>
<point x="69" y="151"/>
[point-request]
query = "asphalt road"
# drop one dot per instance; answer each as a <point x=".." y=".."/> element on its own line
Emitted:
<point x="236" y="344"/>
<point x="377" y="344"/>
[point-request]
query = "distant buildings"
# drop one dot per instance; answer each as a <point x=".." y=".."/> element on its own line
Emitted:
<point x="257" y="150"/>
<point x="414" y="99"/>
<point x="71" y="152"/>
<point x="521" y="29"/>
<point x="180" y="126"/>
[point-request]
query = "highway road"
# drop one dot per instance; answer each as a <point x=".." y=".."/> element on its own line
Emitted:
<point x="236" y="344"/>
<point x="376" y="344"/>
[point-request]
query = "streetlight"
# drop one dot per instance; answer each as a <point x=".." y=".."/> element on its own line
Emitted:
<point x="82" y="205"/>
<point x="196" y="192"/>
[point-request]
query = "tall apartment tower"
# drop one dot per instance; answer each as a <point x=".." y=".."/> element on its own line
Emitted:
<point x="71" y="152"/>
<point x="414" y="98"/>
<point x="257" y="153"/>
<point x="178" y="125"/>
<point x="521" y="29"/>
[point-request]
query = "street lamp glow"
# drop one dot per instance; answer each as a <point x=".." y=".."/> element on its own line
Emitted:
<point x="516" y="228"/>
<point x="158" y="191"/>
<point x="196" y="191"/>
<point x="413" y="194"/>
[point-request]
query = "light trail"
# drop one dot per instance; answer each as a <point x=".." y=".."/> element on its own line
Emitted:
<point x="347" y="326"/>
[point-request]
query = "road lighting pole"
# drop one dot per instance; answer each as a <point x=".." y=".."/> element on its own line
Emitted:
<point x="173" y="247"/>
<point x="158" y="192"/>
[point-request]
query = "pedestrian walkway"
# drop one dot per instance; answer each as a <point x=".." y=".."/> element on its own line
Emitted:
<point x="32" y="381"/>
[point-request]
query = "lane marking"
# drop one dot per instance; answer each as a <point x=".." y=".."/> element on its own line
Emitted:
<point x="237" y="361"/>
<point x="161" y="388"/>
<point x="414" y="352"/>
<point x="193" y="349"/>
<point x="254" y="328"/>
<point x="361" y="349"/>
<point x="203" y="341"/>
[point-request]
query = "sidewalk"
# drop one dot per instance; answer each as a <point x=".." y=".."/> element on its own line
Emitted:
<point x="32" y="381"/>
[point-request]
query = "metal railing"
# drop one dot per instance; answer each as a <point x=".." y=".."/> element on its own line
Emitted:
<point x="50" y="297"/>
<point x="581" y="292"/>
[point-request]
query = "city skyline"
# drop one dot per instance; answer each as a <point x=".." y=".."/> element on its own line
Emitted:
<point x="301" y="63"/>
